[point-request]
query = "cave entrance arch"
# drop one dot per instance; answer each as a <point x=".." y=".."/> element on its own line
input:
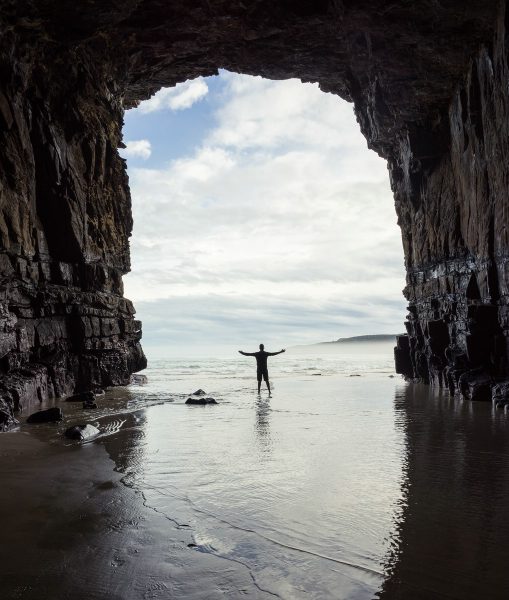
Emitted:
<point x="259" y="213"/>
<point x="68" y="74"/>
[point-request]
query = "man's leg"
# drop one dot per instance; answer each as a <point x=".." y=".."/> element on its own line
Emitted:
<point x="259" y="377"/>
<point x="266" y="377"/>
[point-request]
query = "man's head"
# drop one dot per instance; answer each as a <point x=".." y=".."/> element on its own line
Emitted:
<point x="262" y="346"/>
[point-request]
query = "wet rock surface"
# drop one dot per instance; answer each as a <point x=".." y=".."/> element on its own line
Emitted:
<point x="89" y="405"/>
<point x="7" y="421"/>
<point x="51" y="415"/>
<point x="428" y="81"/>
<point x="201" y="401"/>
<point x="452" y="208"/>
<point x="81" y="432"/>
<point x="85" y="397"/>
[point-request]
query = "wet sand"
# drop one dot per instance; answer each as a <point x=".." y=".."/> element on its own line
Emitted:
<point x="337" y="488"/>
<point x="72" y="529"/>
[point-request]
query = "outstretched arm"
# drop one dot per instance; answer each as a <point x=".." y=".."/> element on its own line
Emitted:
<point x="274" y="353"/>
<point x="246" y="353"/>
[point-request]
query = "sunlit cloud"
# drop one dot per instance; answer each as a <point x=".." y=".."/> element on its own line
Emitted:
<point x="180" y="97"/>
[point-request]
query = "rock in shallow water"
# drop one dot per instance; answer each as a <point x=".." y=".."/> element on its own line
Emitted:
<point x="89" y="405"/>
<point x="199" y="392"/>
<point x="201" y="401"/>
<point x="83" y="397"/>
<point x="81" y="432"/>
<point x="137" y="379"/>
<point x="51" y="415"/>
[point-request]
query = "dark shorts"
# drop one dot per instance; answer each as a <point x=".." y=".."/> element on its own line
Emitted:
<point x="262" y="373"/>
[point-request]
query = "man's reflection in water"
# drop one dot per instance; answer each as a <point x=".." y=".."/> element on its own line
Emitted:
<point x="262" y="424"/>
<point x="451" y="530"/>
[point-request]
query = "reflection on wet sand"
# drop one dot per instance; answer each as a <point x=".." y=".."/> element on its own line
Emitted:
<point x="262" y="425"/>
<point x="452" y="526"/>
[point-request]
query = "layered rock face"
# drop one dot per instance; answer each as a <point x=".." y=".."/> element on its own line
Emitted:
<point x="428" y="84"/>
<point x="64" y="226"/>
<point x="453" y="210"/>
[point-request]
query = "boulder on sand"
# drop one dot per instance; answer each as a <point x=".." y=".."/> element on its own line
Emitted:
<point x="201" y="401"/>
<point x="46" y="416"/>
<point x="81" y="432"/>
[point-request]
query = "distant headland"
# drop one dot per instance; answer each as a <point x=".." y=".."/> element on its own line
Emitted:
<point x="382" y="337"/>
<point x="358" y="339"/>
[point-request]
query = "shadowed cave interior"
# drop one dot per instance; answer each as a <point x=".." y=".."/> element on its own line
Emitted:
<point x="428" y="83"/>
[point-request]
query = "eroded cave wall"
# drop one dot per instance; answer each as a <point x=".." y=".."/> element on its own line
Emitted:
<point x="428" y="81"/>
<point x="451" y="186"/>
<point x="65" y="220"/>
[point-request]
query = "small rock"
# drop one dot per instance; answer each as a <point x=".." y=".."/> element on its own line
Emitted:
<point x="89" y="405"/>
<point x="46" y="416"/>
<point x="355" y="375"/>
<point x="476" y="385"/>
<point x="83" y="397"/>
<point x="201" y="401"/>
<point x="199" y="392"/>
<point x="137" y="379"/>
<point x="316" y="374"/>
<point x="81" y="432"/>
<point x="98" y="392"/>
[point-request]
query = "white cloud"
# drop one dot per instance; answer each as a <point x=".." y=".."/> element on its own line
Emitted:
<point x="274" y="114"/>
<point x="282" y="220"/>
<point x="137" y="148"/>
<point x="180" y="97"/>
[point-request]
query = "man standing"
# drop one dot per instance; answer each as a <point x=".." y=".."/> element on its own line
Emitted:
<point x="261" y="364"/>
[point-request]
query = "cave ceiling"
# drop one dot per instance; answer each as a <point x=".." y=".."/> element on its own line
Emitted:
<point x="398" y="61"/>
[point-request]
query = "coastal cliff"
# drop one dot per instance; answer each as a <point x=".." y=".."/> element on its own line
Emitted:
<point x="428" y="82"/>
<point x="65" y="221"/>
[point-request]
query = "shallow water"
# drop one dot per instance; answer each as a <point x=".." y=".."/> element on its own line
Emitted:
<point x="350" y="484"/>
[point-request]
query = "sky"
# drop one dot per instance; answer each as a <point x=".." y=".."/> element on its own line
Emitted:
<point x="260" y="216"/>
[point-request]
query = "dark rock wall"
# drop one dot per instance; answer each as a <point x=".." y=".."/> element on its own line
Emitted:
<point x="428" y="83"/>
<point x="453" y="209"/>
<point x="65" y="221"/>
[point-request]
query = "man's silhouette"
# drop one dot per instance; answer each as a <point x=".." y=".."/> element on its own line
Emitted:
<point x="261" y="364"/>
